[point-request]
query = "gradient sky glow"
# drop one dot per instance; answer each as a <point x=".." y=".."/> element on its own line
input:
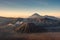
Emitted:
<point x="25" y="8"/>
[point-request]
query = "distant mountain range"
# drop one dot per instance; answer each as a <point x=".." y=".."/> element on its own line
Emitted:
<point x="38" y="23"/>
<point x="32" y="24"/>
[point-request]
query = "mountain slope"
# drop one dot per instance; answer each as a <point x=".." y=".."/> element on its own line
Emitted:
<point x="29" y="28"/>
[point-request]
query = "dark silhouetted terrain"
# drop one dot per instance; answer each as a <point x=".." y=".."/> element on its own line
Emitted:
<point x="35" y="27"/>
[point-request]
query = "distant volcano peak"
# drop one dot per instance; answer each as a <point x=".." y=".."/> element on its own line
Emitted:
<point x="35" y="15"/>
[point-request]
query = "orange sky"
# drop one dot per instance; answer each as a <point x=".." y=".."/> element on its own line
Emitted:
<point x="14" y="13"/>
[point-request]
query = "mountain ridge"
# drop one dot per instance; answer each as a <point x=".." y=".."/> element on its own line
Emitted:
<point x="39" y="22"/>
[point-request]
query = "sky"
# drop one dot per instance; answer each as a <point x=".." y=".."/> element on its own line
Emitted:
<point x="25" y="8"/>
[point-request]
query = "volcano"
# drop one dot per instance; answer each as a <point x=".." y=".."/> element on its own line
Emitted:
<point x="37" y="23"/>
<point x="35" y="15"/>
